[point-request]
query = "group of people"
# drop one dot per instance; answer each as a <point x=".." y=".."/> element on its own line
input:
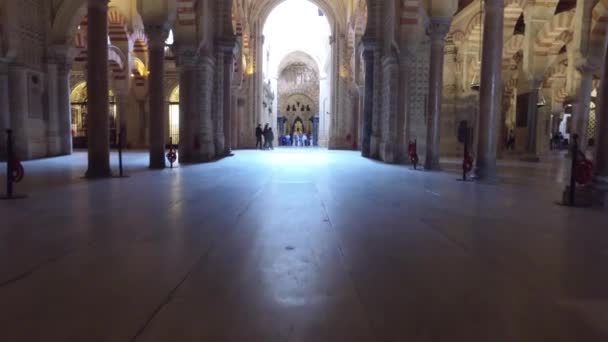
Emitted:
<point x="264" y="137"/>
<point x="298" y="139"/>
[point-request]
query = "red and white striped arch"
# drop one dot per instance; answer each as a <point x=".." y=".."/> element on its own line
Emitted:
<point x="139" y="42"/>
<point x="410" y="13"/>
<point x="555" y="34"/>
<point x="115" y="59"/>
<point x="117" y="65"/>
<point x="186" y="16"/>
<point x="117" y="27"/>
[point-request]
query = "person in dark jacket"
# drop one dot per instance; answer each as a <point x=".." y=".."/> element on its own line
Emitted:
<point x="258" y="137"/>
<point x="269" y="138"/>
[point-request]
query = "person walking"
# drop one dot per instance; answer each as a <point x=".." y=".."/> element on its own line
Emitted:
<point x="258" y="137"/>
<point x="269" y="138"/>
<point x="264" y="134"/>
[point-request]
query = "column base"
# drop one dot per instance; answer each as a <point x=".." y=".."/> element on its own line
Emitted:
<point x="432" y="165"/>
<point x="531" y="158"/>
<point x="594" y="195"/>
<point x="97" y="174"/>
<point x="483" y="177"/>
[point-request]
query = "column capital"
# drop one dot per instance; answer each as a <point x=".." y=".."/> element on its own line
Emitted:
<point x="157" y="34"/>
<point x="438" y="28"/>
<point x="369" y="46"/>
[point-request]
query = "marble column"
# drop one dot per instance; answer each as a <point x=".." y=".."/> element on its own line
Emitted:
<point x="601" y="150"/>
<point x="157" y="34"/>
<point x="228" y="74"/>
<point x="188" y="104"/>
<point x="368" y="101"/>
<point x="490" y="92"/>
<point x="531" y="150"/>
<point x="53" y="134"/>
<point x="4" y="109"/>
<point x="235" y="119"/>
<point x="64" y="107"/>
<point x="98" y="118"/>
<point x="582" y="106"/>
<point x="204" y="137"/>
<point x="438" y="28"/>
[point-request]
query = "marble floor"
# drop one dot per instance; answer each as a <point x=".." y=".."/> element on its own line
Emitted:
<point x="299" y="245"/>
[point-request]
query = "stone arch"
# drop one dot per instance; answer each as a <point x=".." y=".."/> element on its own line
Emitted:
<point x="513" y="46"/>
<point x="68" y="16"/>
<point x="409" y="15"/>
<point x="599" y="32"/>
<point x="559" y="68"/>
<point x="173" y="92"/>
<point x="139" y="43"/>
<point x="472" y="33"/>
<point x="513" y="10"/>
<point x="117" y="63"/>
<point x="555" y="34"/>
<point x="117" y="27"/>
<point x="337" y="20"/>
<point x="298" y="57"/>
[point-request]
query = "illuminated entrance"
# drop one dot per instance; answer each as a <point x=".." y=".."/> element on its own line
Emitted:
<point x="78" y="100"/>
<point x="174" y="116"/>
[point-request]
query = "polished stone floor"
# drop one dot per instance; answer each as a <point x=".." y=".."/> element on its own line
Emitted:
<point x="299" y="245"/>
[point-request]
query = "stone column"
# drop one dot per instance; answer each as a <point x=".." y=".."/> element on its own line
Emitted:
<point x="368" y="101"/>
<point x="157" y="34"/>
<point x="490" y="93"/>
<point x="438" y="28"/>
<point x="601" y="151"/>
<point x="188" y="105"/>
<point x="228" y="73"/>
<point x="205" y="143"/>
<point x="98" y="119"/>
<point x="64" y="107"/>
<point x="217" y="106"/>
<point x="582" y="106"/>
<point x="53" y="134"/>
<point x="4" y="109"/>
<point x="235" y="119"/>
<point x="531" y="152"/>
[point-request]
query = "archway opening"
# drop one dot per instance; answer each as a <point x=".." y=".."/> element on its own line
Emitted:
<point x="174" y="116"/>
<point x="296" y="64"/>
<point x="79" y="107"/>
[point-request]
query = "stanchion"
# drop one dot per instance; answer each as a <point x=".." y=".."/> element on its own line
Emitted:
<point x="572" y="194"/>
<point x="14" y="169"/>
<point x="120" y="166"/>
<point x="467" y="160"/>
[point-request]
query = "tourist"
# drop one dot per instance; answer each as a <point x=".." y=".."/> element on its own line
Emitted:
<point x="511" y="141"/>
<point x="264" y="134"/>
<point x="304" y="140"/>
<point x="258" y="137"/>
<point x="268" y="137"/>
